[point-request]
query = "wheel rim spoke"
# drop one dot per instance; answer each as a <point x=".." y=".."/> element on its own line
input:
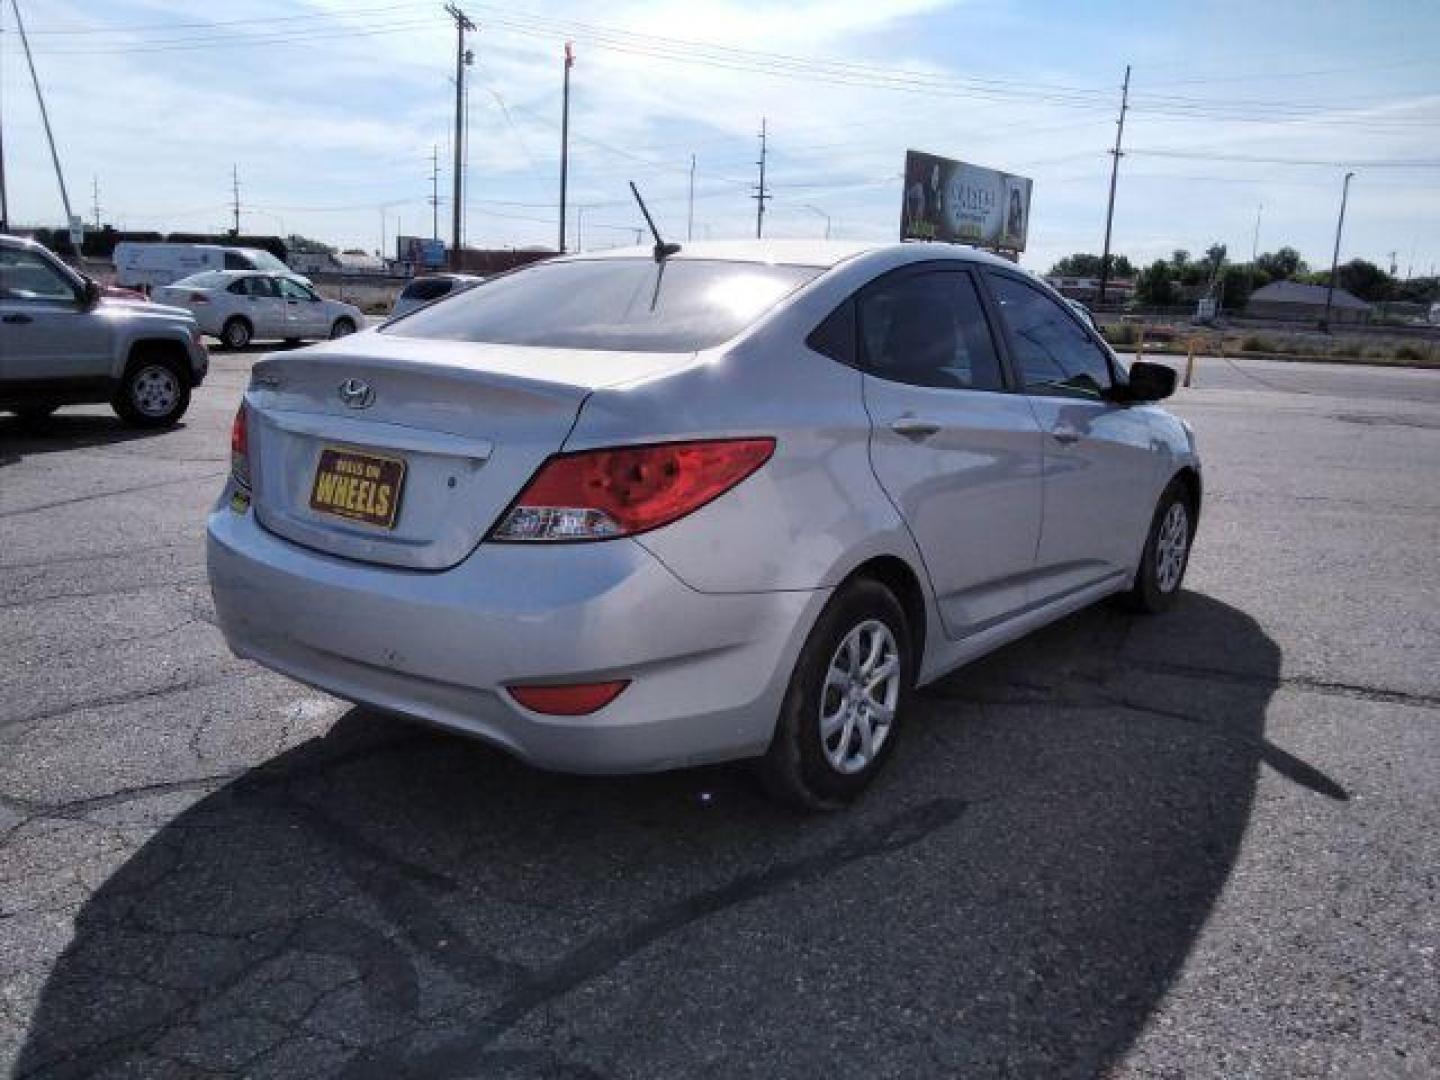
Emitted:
<point x="858" y="696"/>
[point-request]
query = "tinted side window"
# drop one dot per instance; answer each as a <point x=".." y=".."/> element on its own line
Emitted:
<point x="426" y="289"/>
<point x="1054" y="354"/>
<point x="835" y="337"/>
<point x="293" y="290"/>
<point x="26" y="276"/>
<point x="928" y="329"/>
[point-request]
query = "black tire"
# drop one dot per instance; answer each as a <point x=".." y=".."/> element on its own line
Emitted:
<point x="1162" y="570"/>
<point x="153" y="394"/>
<point x="342" y="328"/>
<point x="291" y="342"/>
<point x="799" y="767"/>
<point x="33" y="414"/>
<point x="237" y="332"/>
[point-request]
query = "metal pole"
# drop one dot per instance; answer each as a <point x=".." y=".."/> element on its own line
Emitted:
<point x="1114" y="173"/>
<point x="760" y="197"/>
<point x="690" y="214"/>
<point x="435" y="191"/>
<point x="235" y="187"/>
<point x="44" y="113"/>
<point x="1255" y="243"/>
<point x="565" y="142"/>
<point x="462" y="23"/>
<point x="1335" y="259"/>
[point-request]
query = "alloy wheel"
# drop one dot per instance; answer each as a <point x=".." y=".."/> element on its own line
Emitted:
<point x="858" y="700"/>
<point x="1171" y="546"/>
<point x="155" y="391"/>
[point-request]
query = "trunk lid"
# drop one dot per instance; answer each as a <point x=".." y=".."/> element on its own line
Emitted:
<point x="468" y="424"/>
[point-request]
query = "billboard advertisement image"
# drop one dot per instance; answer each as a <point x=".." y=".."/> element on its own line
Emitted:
<point x="963" y="203"/>
<point x="421" y="252"/>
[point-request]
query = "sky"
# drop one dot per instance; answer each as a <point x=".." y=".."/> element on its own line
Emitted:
<point x="329" y="113"/>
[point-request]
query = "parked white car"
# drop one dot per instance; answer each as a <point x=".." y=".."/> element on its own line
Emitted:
<point x="140" y="265"/>
<point x="241" y="306"/>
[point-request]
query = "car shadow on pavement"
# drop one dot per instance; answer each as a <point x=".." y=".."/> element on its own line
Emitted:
<point x="66" y="431"/>
<point x="1013" y="897"/>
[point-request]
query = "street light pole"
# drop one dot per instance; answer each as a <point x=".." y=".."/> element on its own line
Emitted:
<point x="1335" y="260"/>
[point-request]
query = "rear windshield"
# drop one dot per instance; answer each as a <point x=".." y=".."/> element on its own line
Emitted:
<point x="426" y="288"/>
<point x="680" y="305"/>
<point x="210" y="279"/>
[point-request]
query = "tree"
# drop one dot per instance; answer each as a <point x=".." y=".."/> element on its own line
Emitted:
<point x="1365" y="280"/>
<point x="1281" y="265"/>
<point x="1083" y="264"/>
<point x="1236" y="286"/>
<point x="1154" y="284"/>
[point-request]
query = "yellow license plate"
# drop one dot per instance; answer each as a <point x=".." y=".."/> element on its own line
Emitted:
<point x="358" y="486"/>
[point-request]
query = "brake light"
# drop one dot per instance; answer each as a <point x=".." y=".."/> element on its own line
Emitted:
<point x="603" y="494"/>
<point x="240" y="446"/>
<point x="576" y="699"/>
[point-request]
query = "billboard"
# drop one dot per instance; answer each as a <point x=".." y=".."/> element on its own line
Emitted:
<point x="961" y="203"/>
<point x="420" y="252"/>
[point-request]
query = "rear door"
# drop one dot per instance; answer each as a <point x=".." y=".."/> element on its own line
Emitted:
<point x="260" y="302"/>
<point x="1100" y="470"/>
<point x="956" y="451"/>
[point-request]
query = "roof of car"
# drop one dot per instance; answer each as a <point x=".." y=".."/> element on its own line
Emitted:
<point x="824" y="253"/>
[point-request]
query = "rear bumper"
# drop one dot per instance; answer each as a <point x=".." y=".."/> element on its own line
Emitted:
<point x="707" y="671"/>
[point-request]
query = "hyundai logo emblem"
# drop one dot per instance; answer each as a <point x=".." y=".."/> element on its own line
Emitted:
<point x="357" y="393"/>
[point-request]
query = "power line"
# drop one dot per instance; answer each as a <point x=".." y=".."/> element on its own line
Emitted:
<point x="109" y="30"/>
<point x="228" y="41"/>
<point x="1380" y="163"/>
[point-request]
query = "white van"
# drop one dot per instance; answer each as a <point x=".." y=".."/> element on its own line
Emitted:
<point x="140" y="265"/>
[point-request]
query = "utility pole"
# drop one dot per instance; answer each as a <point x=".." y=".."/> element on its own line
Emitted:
<point x="1255" y="243"/>
<point x="435" y="192"/>
<point x="1335" y="260"/>
<point x="760" y="196"/>
<point x="235" y="187"/>
<point x="565" y="141"/>
<point x="95" y="200"/>
<point x="1114" y="173"/>
<point x="690" y="213"/>
<point x="462" y="58"/>
<point x="44" y="113"/>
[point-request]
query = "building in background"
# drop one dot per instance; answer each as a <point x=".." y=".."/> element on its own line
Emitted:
<point x="1087" y="289"/>
<point x="1305" y="303"/>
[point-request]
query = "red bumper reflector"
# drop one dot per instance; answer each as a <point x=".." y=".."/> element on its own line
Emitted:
<point x="576" y="699"/>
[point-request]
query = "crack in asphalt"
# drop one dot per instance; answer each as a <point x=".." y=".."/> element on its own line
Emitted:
<point x="111" y="493"/>
<point x="607" y="950"/>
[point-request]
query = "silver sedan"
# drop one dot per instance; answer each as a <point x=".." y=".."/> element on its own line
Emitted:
<point x="636" y="511"/>
<point x="241" y="306"/>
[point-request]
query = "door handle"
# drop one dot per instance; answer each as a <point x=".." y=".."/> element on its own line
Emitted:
<point x="17" y="318"/>
<point x="913" y="427"/>
<point x="1066" y="435"/>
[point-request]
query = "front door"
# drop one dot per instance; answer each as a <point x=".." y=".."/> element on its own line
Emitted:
<point x="1100" y="469"/>
<point x="48" y="338"/>
<point x="957" y="453"/>
<point x="304" y="313"/>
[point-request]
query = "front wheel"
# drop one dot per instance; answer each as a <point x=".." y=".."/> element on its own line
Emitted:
<point x="841" y="714"/>
<point x="153" y="394"/>
<point x="1167" y="553"/>
<point x="235" y="333"/>
<point x="342" y="328"/>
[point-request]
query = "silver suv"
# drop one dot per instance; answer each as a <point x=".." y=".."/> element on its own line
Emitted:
<point x="62" y="344"/>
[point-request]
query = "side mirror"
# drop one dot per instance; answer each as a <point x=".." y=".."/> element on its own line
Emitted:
<point x="1149" y="382"/>
<point x="91" y="297"/>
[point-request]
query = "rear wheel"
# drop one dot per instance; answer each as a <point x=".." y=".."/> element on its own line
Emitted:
<point x="154" y="393"/>
<point x="236" y="333"/>
<point x="342" y="328"/>
<point x="841" y="713"/>
<point x="1167" y="552"/>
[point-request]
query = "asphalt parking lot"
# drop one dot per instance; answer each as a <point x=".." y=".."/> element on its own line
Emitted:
<point x="1200" y="845"/>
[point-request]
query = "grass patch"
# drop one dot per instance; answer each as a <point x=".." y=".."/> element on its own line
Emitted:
<point x="1256" y="343"/>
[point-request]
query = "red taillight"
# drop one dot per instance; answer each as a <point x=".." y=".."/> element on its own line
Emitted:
<point x="199" y="298"/>
<point x="602" y="494"/>
<point x="240" y="446"/>
<point x="575" y="699"/>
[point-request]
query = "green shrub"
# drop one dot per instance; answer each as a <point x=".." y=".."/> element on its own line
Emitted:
<point x="1351" y="351"/>
<point x="1411" y="354"/>
<point x="1255" y="343"/>
<point x="1123" y="334"/>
